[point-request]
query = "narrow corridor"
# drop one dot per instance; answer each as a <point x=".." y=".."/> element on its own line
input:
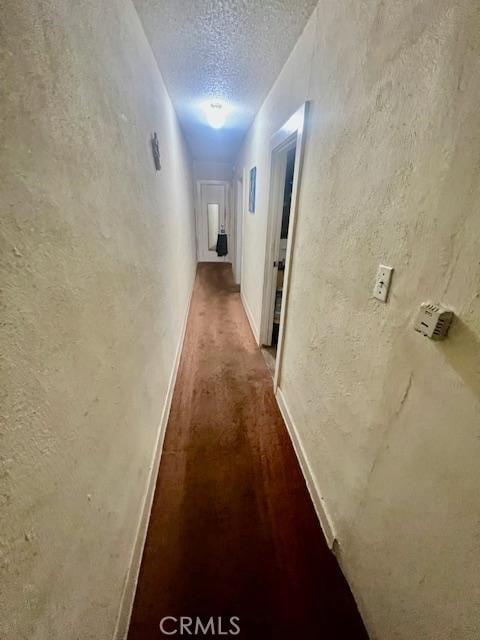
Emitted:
<point x="233" y="531"/>
<point x="321" y="157"/>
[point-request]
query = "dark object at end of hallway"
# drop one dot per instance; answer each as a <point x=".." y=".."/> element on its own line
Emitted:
<point x="222" y="244"/>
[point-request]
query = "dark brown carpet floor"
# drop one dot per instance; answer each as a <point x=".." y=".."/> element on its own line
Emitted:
<point x="233" y="531"/>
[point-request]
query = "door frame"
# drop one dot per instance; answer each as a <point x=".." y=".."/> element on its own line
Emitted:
<point x="279" y="168"/>
<point x="238" y="224"/>
<point x="198" y="211"/>
<point x="228" y="216"/>
<point x="292" y="133"/>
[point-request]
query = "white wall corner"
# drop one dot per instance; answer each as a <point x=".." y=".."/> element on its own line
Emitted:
<point x="131" y="580"/>
<point x="251" y="321"/>
<point x="317" y="499"/>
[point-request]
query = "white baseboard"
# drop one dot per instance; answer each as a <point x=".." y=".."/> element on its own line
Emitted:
<point x="251" y="322"/>
<point x="130" y="587"/>
<point x="315" y="494"/>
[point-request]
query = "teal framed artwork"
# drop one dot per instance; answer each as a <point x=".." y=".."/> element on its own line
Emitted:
<point x="252" y="190"/>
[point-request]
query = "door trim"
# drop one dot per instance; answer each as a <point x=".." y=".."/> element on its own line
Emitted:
<point x="278" y="173"/>
<point x="292" y="132"/>
<point x="238" y="226"/>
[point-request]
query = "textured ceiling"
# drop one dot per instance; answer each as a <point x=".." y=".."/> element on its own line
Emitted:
<point x="228" y="49"/>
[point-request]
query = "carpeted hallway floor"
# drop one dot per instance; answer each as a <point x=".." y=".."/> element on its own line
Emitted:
<point x="233" y="531"/>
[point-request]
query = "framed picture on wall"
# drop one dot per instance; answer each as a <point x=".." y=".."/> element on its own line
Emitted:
<point x="252" y="189"/>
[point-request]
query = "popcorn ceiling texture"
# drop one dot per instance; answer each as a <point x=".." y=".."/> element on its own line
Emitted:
<point x="389" y="421"/>
<point x="221" y="48"/>
<point x="97" y="264"/>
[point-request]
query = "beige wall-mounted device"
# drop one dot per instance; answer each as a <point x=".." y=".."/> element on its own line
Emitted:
<point x="433" y="321"/>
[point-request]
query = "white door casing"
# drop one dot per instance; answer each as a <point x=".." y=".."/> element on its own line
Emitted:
<point x="237" y="262"/>
<point x="292" y="133"/>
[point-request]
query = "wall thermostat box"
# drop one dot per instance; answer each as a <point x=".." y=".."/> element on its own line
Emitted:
<point x="433" y="321"/>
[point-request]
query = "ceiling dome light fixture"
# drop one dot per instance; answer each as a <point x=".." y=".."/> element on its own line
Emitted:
<point x="215" y="112"/>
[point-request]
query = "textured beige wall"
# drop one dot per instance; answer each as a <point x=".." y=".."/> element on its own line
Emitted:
<point x="97" y="262"/>
<point x="390" y="421"/>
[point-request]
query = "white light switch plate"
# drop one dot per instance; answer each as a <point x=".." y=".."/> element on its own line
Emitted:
<point x="382" y="282"/>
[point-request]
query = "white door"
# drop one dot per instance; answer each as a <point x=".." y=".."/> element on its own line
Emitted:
<point x="213" y="214"/>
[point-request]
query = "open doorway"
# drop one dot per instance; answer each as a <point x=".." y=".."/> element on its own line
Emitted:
<point x="286" y="156"/>
<point x="212" y="212"/>
<point x="280" y="255"/>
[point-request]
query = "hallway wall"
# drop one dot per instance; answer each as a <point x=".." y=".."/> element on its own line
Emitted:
<point x="206" y="170"/>
<point x="389" y="421"/>
<point x="98" y="261"/>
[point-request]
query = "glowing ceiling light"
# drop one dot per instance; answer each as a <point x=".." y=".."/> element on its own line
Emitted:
<point x="215" y="112"/>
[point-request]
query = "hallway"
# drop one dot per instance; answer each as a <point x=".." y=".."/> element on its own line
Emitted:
<point x="233" y="531"/>
<point x="217" y="216"/>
